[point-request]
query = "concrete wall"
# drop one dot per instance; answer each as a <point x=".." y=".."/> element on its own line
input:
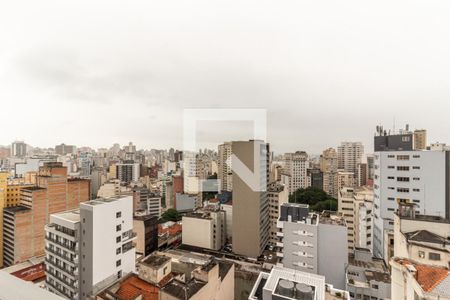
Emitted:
<point x="197" y="232"/>
<point x="333" y="254"/>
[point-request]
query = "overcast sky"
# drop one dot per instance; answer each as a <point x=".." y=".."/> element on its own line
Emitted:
<point x="95" y="73"/>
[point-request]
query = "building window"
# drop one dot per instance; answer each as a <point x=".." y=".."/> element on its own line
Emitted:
<point x="118" y="250"/>
<point x="119" y="274"/>
<point x="118" y="239"/>
<point x="402" y="168"/>
<point x="403" y="190"/>
<point x="416" y="168"/>
<point x="421" y="254"/>
<point x="416" y="190"/>
<point x="402" y="157"/>
<point x="118" y="263"/>
<point x="434" y="256"/>
<point x="118" y="214"/>
<point x="403" y="179"/>
<point x="118" y="227"/>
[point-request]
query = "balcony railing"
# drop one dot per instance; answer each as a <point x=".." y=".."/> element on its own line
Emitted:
<point x="67" y="258"/>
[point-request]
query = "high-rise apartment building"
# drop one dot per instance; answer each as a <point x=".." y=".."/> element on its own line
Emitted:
<point x="419" y="177"/>
<point x="3" y="194"/>
<point x="329" y="168"/>
<point x="420" y="139"/>
<point x="362" y="175"/>
<point x="329" y="160"/>
<point x="191" y="181"/>
<point x="24" y="224"/>
<point x="313" y="243"/>
<point x="277" y="195"/>
<point x="403" y="140"/>
<point x="146" y="229"/>
<point x="225" y="175"/>
<point x="251" y="207"/>
<point x="89" y="248"/>
<point x="64" y="149"/>
<point x="296" y="165"/>
<point x="18" y="149"/>
<point x="355" y="205"/>
<point x="315" y="178"/>
<point x="345" y="179"/>
<point x="349" y="156"/>
<point x="128" y="171"/>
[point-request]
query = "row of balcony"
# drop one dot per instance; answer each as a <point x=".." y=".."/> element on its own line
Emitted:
<point x="67" y="258"/>
<point x="72" y="273"/>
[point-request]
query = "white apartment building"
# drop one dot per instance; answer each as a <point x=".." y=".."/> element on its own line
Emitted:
<point x="313" y="243"/>
<point x="205" y="229"/>
<point x="153" y="205"/>
<point x="89" y="248"/>
<point x="421" y="256"/>
<point x="349" y="156"/>
<point x="355" y="205"/>
<point x="277" y="196"/>
<point x="228" y="208"/>
<point x="289" y="284"/>
<point x="419" y="177"/>
<point x="225" y="175"/>
<point x="190" y="180"/>
<point x="296" y="165"/>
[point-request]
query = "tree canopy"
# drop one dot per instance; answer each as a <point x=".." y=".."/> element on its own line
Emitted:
<point x="171" y="215"/>
<point x="317" y="199"/>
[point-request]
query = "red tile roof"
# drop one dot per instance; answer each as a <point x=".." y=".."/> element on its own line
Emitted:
<point x="133" y="287"/>
<point x="428" y="277"/>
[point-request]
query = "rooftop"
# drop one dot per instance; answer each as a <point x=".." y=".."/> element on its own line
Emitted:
<point x="429" y="277"/>
<point x="71" y="215"/>
<point x="100" y="201"/>
<point x="331" y="218"/>
<point x="130" y="288"/>
<point x="156" y="260"/>
<point x="426" y="236"/>
<point x="181" y="290"/>
<point x="31" y="273"/>
<point x="20" y="289"/>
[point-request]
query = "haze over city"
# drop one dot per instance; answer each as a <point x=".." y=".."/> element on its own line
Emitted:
<point x="325" y="71"/>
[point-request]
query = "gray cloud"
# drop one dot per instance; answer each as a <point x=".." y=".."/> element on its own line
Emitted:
<point x="325" y="72"/>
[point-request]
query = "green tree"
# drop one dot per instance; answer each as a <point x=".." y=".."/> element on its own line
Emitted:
<point x="317" y="199"/>
<point x="171" y="215"/>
